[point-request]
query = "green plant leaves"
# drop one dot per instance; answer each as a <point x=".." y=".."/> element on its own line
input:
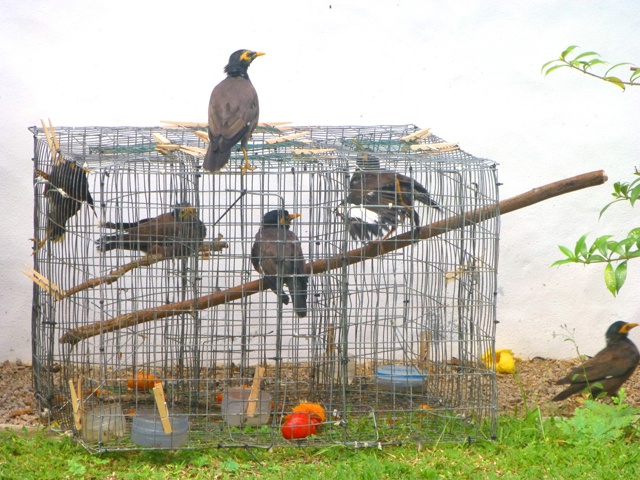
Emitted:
<point x="604" y="250"/>
<point x="615" y="253"/>
<point x="616" y="81"/>
<point x="614" y="278"/>
<point x="567" y="51"/>
<point x="555" y="67"/>
<point x="616" y="66"/>
<point x="585" y="62"/>
<point x="600" y="422"/>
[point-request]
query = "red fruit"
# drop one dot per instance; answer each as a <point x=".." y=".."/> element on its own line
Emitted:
<point x="300" y="425"/>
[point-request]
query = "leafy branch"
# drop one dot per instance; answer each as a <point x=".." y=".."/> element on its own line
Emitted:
<point x="625" y="191"/>
<point x="585" y="62"/>
<point x="605" y="249"/>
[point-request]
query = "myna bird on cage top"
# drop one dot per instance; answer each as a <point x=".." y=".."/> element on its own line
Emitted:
<point x="172" y="234"/>
<point x="608" y="369"/>
<point x="389" y="195"/>
<point x="233" y="112"/>
<point x="277" y="254"/>
<point x="66" y="190"/>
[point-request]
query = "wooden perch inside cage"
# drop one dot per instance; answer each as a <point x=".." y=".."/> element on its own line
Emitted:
<point x="370" y="250"/>
<point x="59" y="293"/>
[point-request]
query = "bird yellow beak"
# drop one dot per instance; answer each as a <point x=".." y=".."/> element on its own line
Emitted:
<point x="628" y="326"/>
<point x="188" y="212"/>
<point x="293" y="216"/>
<point x="249" y="56"/>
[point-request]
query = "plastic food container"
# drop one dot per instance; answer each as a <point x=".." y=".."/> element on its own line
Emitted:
<point x="330" y="372"/>
<point x="103" y="423"/>
<point x="147" y="430"/>
<point x="399" y="378"/>
<point x="234" y="407"/>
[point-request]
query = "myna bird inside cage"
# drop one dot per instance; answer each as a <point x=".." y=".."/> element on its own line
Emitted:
<point x="173" y="234"/>
<point x="389" y="195"/>
<point x="233" y="112"/>
<point x="66" y="189"/>
<point x="608" y="369"/>
<point x="277" y="254"/>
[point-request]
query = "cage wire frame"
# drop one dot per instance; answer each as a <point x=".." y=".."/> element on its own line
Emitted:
<point x="429" y="306"/>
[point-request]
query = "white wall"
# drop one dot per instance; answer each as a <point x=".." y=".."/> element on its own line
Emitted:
<point x="468" y="69"/>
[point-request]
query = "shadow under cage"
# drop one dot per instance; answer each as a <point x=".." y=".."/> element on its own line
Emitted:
<point x="390" y="347"/>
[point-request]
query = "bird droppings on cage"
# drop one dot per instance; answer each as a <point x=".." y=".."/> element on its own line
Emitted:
<point x="395" y="326"/>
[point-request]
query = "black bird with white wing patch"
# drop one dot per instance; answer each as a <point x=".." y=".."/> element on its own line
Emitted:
<point x="389" y="195"/>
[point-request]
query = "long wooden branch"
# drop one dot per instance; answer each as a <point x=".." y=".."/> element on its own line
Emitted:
<point x="58" y="293"/>
<point x="370" y="250"/>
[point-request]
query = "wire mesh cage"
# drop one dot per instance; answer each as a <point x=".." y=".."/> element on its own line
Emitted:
<point x="397" y="318"/>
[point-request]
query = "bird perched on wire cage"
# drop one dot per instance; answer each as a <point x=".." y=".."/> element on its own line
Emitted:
<point x="388" y="195"/>
<point x="66" y="189"/>
<point x="233" y="112"/>
<point x="608" y="369"/>
<point x="277" y="254"/>
<point x="172" y="234"/>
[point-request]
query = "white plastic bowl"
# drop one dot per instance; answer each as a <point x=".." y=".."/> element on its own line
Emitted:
<point x="234" y="406"/>
<point x="399" y="377"/>
<point x="147" y="430"/>
<point x="103" y="423"/>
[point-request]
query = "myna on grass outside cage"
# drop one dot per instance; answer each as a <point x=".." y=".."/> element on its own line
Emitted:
<point x="173" y="234"/>
<point x="66" y="190"/>
<point x="233" y="112"/>
<point x="608" y="369"/>
<point x="277" y="254"/>
<point x="387" y="194"/>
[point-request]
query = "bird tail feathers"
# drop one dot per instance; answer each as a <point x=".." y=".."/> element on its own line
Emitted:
<point x="214" y="161"/>
<point x="111" y="242"/>
<point x="299" y="296"/>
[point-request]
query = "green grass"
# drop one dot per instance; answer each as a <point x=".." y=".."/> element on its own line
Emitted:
<point x="525" y="447"/>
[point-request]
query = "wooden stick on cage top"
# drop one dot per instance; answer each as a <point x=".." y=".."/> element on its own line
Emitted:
<point x="370" y="250"/>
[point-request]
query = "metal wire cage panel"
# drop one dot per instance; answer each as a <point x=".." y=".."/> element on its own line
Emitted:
<point x="392" y="342"/>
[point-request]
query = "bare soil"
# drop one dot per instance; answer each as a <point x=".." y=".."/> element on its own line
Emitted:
<point x="532" y="386"/>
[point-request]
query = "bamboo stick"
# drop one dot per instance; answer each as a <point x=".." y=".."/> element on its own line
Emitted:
<point x="417" y="135"/>
<point x="370" y="250"/>
<point x="252" y="401"/>
<point x="161" y="404"/>
<point x="286" y="138"/>
<point x="435" y="147"/>
<point x="312" y="151"/>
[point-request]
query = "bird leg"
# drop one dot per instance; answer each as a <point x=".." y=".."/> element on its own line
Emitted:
<point x="391" y="232"/>
<point x="401" y="195"/>
<point x="247" y="166"/>
<point x="38" y="244"/>
<point x="402" y="202"/>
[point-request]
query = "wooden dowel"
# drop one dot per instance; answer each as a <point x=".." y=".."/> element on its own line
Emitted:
<point x="370" y="250"/>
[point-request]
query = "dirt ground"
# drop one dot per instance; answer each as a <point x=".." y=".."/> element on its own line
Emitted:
<point x="533" y="384"/>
